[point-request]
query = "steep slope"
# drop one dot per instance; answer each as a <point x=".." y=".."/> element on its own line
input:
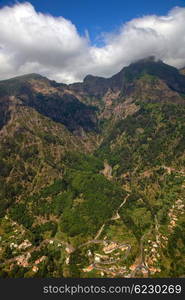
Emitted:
<point x="92" y="175"/>
<point x="32" y="147"/>
<point x="150" y="66"/>
<point x="52" y="100"/>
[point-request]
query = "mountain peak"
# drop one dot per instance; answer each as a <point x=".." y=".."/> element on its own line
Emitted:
<point x="25" y="77"/>
<point x="147" y="59"/>
<point x="155" y="67"/>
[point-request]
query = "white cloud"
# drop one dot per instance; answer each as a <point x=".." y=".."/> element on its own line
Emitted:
<point x="34" y="42"/>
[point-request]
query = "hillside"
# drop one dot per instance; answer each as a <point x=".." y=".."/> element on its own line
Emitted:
<point x="92" y="175"/>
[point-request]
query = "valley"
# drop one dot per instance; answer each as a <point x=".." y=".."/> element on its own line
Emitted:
<point x="92" y="175"/>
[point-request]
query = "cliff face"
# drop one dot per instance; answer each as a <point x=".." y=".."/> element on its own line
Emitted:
<point x="56" y="142"/>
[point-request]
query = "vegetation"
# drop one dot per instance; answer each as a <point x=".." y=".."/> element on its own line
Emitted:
<point x="83" y="167"/>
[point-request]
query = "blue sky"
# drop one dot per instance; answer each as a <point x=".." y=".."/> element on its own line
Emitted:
<point x="66" y="40"/>
<point x="99" y="16"/>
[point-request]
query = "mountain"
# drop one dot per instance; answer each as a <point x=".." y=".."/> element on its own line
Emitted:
<point x="50" y="100"/>
<point x="92" y="174"/>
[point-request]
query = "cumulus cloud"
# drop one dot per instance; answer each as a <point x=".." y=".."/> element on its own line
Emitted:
<point x="34" y="42"/>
